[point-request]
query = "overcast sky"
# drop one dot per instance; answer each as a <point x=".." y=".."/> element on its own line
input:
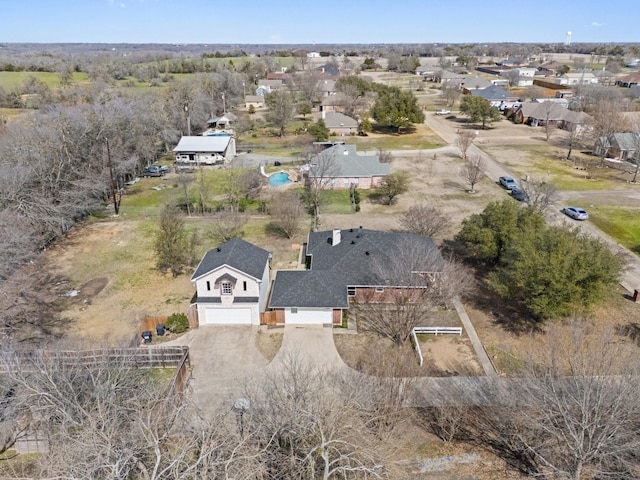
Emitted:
<point x="318" y="21"/>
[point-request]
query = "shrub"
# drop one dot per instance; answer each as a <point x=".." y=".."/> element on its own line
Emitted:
<point x="177" y="323"/>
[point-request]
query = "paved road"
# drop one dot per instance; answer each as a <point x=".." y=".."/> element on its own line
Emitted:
<point x="493" y="170"/>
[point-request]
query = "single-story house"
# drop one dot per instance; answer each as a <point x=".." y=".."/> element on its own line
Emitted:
<point x="628" y="80"/>
<point x="351" y="265"/>
<point x="326" y="87"/>
<point x="222" y="122"/>
<point x="232" y="283"/>
<point x="334" y="103"/>
<point x="340" y="124"/>
<point x="340" y="166"/>
<point x="265" y="86"/>
<point x="552" y="112"/>
<point x="257" y="101"/>
<point x="497" y="96"/>
<point x="619" y="146"/>
<point x="205" y="150"/>
<point x="577" y="78"/>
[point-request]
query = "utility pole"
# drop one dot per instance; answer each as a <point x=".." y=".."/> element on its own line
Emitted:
<point x="186" y="109"/>
<point x="116" y="204"/>
<point x="224" y="108"/>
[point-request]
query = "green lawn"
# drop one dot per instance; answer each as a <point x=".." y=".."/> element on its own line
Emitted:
<point x="546" y="162"/>
<point x="619" y="222"/>
<point x="11" y="80"/>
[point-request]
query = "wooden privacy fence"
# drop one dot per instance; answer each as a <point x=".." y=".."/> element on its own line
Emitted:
<point x="156" y="357"/>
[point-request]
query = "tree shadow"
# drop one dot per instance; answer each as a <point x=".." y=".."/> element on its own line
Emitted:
<point x="387" y="130"/>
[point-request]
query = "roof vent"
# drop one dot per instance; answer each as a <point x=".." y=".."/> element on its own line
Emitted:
<point x="353" y="242"/>
<point x="218" y="249"/>
<point x="366" y="253"/>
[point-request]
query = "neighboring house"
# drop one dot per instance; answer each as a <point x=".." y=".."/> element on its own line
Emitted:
<point x="619" y="146"/>
<point x="340" y="124"/>
<point x="313" y="55"/>
<point x="232" y="283"/>
<point x="330" y="69"/>
<point x="604" y="77"/>
<point x="539" y="114"/>
<point x="265" y="86"/>
<point x="498" y="97"/>
<point x="350" y="265"/>
<point x="334" y="103"/>
<point x="628" y="80"/>
<point x="344" y="168"/>
<point x="523" y="76"/>
<point x="256" y="100"/>
<point x="205" y="150"/>
<point x="224" y="122"/>
<point x="551" y="112"/>
<point x="461" y="80"/>
<point x="327" y="87"/>
<point x="577" y="78"/>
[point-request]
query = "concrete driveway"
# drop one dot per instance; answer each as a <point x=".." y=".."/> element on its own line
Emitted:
<point x="222" y="358"/>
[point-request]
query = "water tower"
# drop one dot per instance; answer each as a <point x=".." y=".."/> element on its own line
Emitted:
<point x="568" y="40"/>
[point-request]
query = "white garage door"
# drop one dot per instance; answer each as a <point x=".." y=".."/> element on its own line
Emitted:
<point x="308" y="317"/>
<point x="227" y="316"/>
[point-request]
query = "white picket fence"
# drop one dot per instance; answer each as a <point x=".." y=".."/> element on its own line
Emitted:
<point x="432" y="331"/>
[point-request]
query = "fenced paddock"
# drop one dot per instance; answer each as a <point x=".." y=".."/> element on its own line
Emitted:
<point x="432" y="331"/>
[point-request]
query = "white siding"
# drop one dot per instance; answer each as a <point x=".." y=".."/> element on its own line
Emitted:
<point x="308" y="316"/>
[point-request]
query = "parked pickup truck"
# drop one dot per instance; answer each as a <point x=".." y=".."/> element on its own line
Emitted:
<point x="152" y="172"/>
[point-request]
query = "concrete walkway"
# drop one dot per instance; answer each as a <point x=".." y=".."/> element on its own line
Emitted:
<point x="481" y="353"/>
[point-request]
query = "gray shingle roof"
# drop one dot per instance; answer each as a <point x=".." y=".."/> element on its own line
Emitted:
<point x="215" y="143"/>
<point x="236" y="253"/>
<point x="365" y="257"/>
<point x="308" y="288"/>
<point x="336" y="120"/>
<point x="494" y="92"/>
<point x="345" y="162"/>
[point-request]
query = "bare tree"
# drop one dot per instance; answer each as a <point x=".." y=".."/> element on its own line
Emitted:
<point x="310" y="418"/>
<point x="423" y="219"/>
<point x="318" y="177"/>
<point x="540" y="192"/>
<point x="636" y="147"/>
<point x="281" y="109"/>
<point x="286" y="211"/>
<point x="409" y="278"/>
<point x="473" y="170"/>
<point x="451" y="92"/>
<point x="585" y="415"/>
<point x="227" y="225"/>
<point x="464" y="140"/>
<point x="607" y="120"/>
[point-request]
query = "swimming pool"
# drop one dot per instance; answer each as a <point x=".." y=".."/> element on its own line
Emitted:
<point x="279" y="179"/>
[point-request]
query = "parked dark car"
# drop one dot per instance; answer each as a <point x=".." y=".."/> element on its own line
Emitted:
<point x="519" y="195"/>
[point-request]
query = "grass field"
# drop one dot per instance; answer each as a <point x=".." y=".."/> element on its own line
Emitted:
<point x="622" y="223"/>
<point x="11" y="80"/>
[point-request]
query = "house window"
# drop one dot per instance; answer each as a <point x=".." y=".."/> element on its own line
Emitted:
<point x="244" y="286"/>
<point x="351" y="291"/>
<point x="379" y="289"/>
<point x="294" y="309"/>
<point x="225" y="288"/>
<point x="208" y="286"/>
